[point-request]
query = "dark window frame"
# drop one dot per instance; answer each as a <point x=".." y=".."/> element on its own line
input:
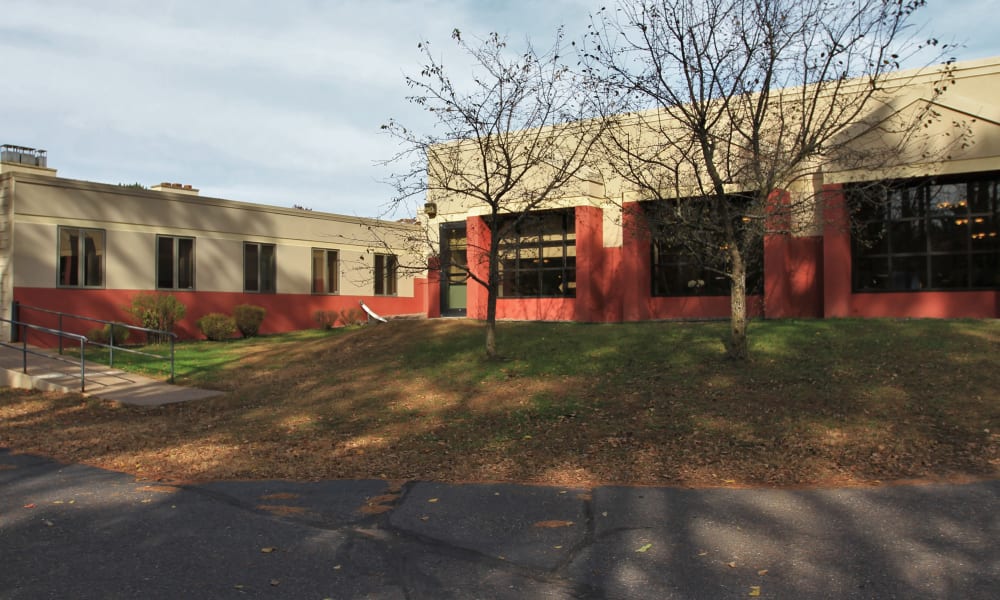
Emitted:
<point x="526" y="269"/>
<point x="692" y="277"/>
<point x="177" y="274"/>
<point x="321" y="284"/>
<point x="386" y="274"/>
<point x="926" y="234"/>
<point x="265" y="276"/>
<point x="70" y="267"/>
<point x="454" y="256"/>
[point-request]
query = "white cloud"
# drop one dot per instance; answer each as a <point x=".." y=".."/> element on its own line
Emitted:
<point x="266" y="102"/>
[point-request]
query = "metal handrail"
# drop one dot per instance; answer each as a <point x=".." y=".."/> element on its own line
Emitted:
<point x="25" y="352"/>
<point x="111" y="338"/>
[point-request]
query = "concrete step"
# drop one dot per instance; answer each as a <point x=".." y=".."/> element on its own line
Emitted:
<point x="50" y="374"/>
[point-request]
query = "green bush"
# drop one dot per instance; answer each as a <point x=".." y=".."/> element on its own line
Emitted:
<point x="217" y="326"/>
<point x="248" y="319"/>
<point x="328" y="319"/>
<point x="103" y="335"/>
<point x="156" y="311"/>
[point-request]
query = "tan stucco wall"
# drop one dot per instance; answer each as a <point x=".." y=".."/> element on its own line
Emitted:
<point x="962" y="136"/>
<point x="6" y="252"/>
<point x="133" y="219"/>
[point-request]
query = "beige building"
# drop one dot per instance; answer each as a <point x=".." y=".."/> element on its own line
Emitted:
<point x="934" y="249"/>
<point x="87" y="248"/>
<point x="933" y="245"/>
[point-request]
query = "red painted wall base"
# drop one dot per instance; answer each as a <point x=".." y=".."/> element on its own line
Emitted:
<point x="804" y="277"/>
<point x="285" y="312"/>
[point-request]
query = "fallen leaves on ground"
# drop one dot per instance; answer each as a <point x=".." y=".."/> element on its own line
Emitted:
<point x="553" y="524"/>
<point x="648" y="405"/>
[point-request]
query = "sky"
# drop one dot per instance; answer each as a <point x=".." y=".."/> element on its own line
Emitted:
<point x="269" y="102"/>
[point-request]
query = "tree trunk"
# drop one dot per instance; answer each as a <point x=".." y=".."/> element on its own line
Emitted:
<point x="491" y="327"/>
<point x="738" y="346"/>
<point x="492" y="278"/>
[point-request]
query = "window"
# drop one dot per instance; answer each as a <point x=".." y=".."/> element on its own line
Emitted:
<point x="696" y="263"/>
<point x="538" y="255"/>
<point x="386" y="267"/>
<point x="81" y="257"/>
<point x="174" y="263"/>
<point x="927" y="234"/>
<point x="678" y="272"/>
<point x="455" y="262"/>
<point x="324" y="271"/>
<point x="259" y="268"/>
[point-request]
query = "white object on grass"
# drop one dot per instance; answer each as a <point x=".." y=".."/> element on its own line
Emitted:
<point x="371" y="313"/>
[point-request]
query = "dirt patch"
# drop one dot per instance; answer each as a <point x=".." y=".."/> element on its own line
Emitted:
<point x="552" y="524"/>
<point x="379" y="504"/>
<point x="280" y="496"/>
<point x="282" y="510"/>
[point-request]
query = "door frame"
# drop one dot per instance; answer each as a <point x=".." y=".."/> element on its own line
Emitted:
<point x="445" y="253"/>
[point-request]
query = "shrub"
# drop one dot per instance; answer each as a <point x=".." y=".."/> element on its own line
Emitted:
<point x="103" y="335"/>
<point x="248" y="319"/>
<point x="217" y="326"/>
<point x="352" y="316"/>
<point x="156" y="311"/>
<point x="326" y="319"/>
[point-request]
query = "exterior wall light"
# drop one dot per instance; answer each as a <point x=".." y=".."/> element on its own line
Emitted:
<point x="430" y="209"/>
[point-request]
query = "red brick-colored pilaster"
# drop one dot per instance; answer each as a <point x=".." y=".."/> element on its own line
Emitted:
<point x="793" y="285"/>
<point x="804" y="264"/>
<point x="433" y="294"/>
<point x="634" y="280"/>
<point x="777" y="301"/>
<point x="836" y="253"/>
<point x="597" y="300"/>
<point x="478" y="253"/>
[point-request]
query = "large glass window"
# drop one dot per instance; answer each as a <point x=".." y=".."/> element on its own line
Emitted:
<point x="927" y="234"/>
<point x="386" y="267"/>
<point x="81" y="257"/>
<point x="538" y="255"/>
<point x="174" y="263"/>
<point x="259" y="268"/>
<point x="324" y="271"/>
<point x="692" y="260"/>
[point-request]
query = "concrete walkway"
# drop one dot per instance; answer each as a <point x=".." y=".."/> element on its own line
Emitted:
<point x="71" y="531"/>
<point x="48" y="374"/>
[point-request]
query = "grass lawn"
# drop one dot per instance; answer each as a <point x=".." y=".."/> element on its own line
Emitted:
<point x="821" y="402"/>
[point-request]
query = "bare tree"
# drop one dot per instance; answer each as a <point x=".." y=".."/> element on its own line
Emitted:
<point x="735" y="103"/>
<point x="505" y="143"/>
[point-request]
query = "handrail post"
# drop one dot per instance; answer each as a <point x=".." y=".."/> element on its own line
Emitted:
<point x="24" y="351"/>
<point x="15" y="317"/>
<point x="61" y="333"/>
<point x="83" y="368"/>
<point x="111" y="345"/>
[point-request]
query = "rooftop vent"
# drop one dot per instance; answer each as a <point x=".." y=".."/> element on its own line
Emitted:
<point x="22" y="155"/>
<point x="182" y="188"/>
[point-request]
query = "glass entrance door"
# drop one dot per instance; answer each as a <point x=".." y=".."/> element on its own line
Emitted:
<point x="454" y="269"/>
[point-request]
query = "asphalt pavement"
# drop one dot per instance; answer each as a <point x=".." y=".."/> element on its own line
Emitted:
<point x="72" y="531"/>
